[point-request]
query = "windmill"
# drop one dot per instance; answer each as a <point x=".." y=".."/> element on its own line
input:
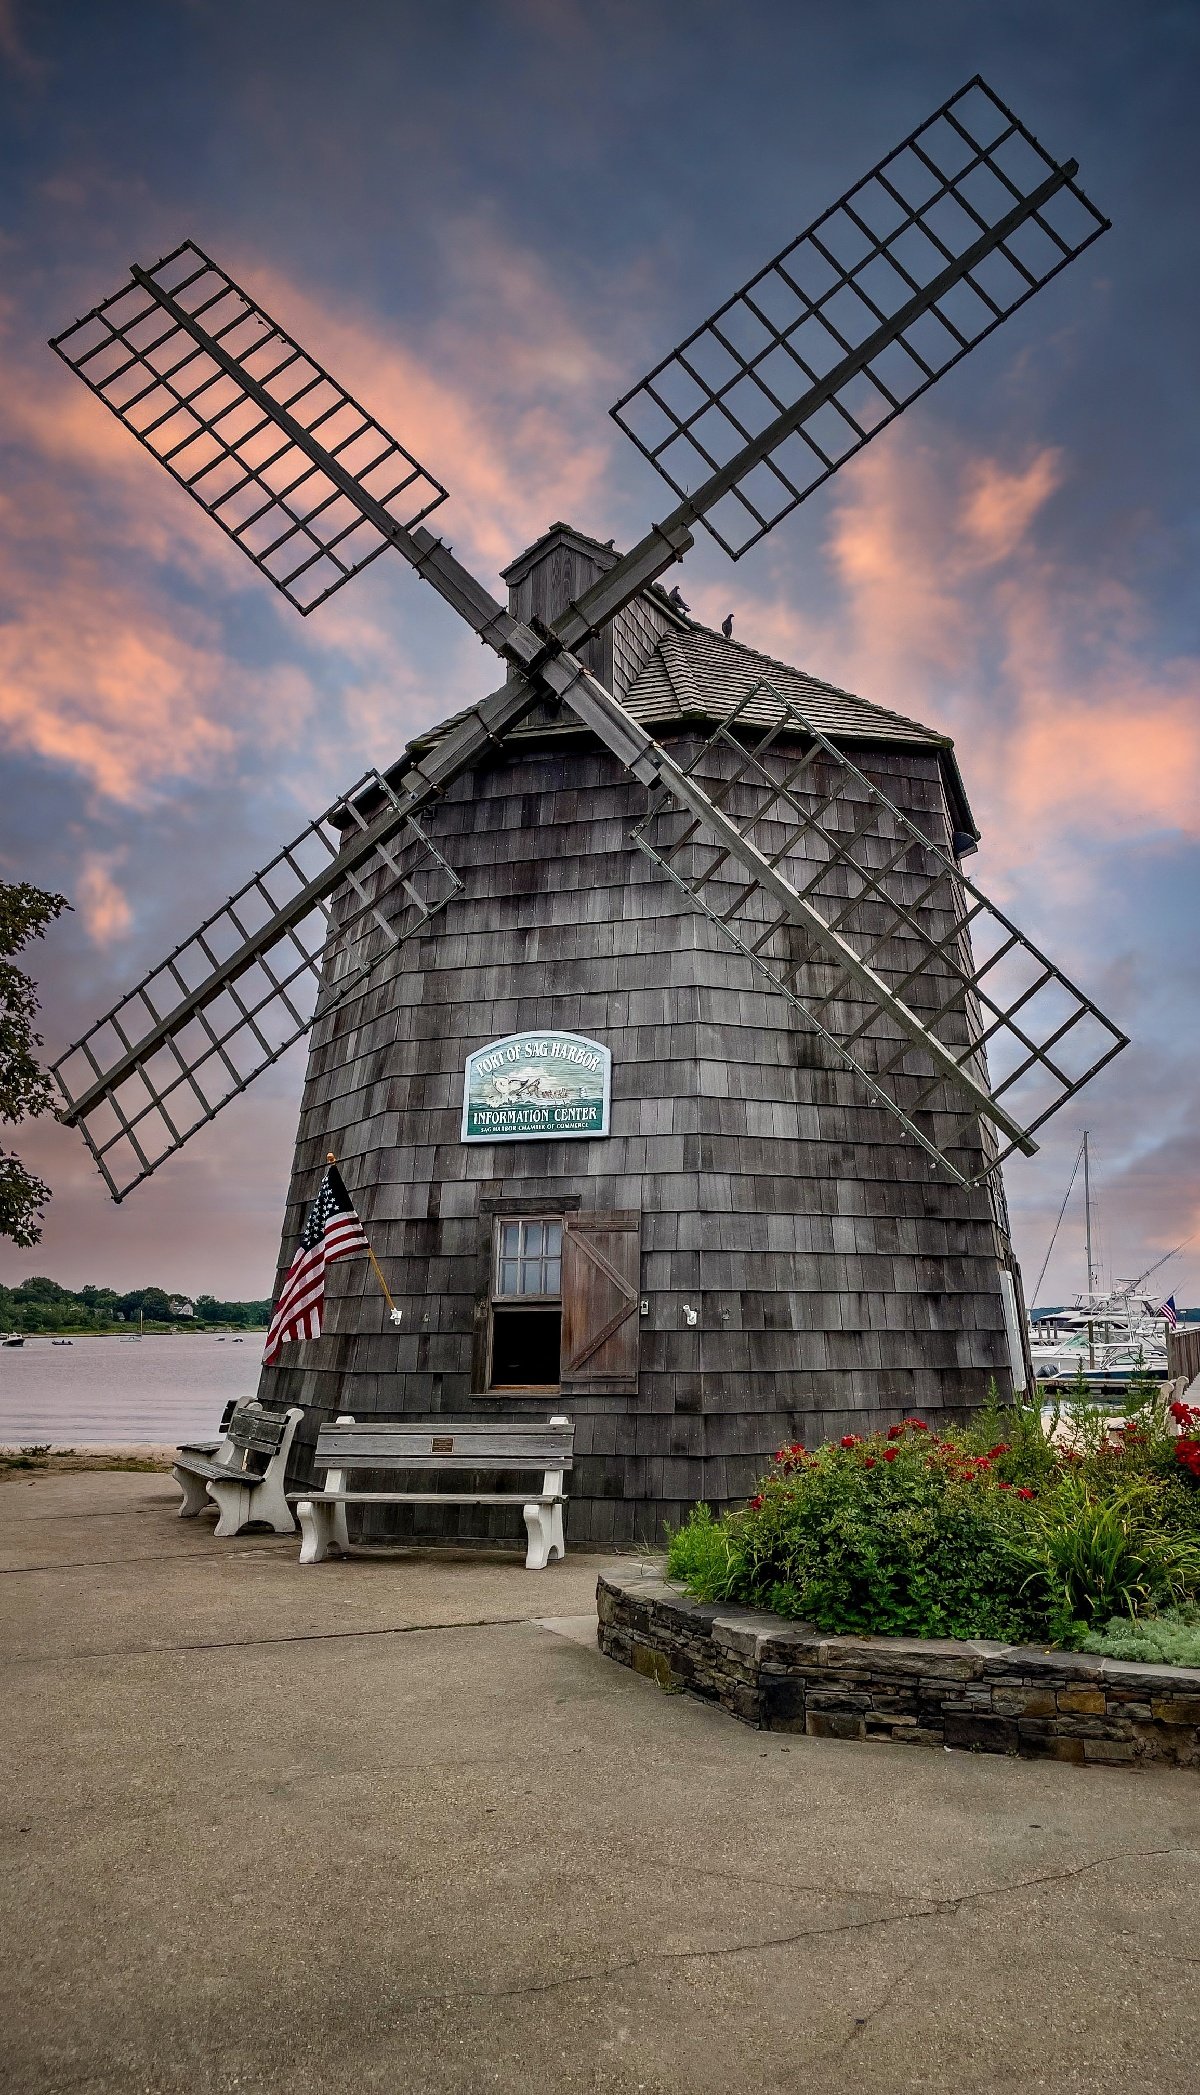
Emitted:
<point x="844" y="904"/>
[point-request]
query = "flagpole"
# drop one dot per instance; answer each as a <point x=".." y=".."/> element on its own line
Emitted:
<point x="394" y="1313"/>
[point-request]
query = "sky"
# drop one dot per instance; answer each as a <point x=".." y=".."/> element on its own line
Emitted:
<point x="488" y="219"/>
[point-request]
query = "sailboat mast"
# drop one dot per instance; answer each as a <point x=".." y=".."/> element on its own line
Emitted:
<point x="1087" y="1214"/>
<point x="1087" y="1225"/>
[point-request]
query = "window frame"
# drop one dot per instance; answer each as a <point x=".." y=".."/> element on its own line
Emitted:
<point x="522" y="1214"/>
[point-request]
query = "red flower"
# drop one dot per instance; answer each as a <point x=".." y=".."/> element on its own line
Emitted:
<point x="851" y="1440"/>
<point x="918" y="1425"/>
<point x="1001" y="1485"/>
<point x="1025" y="1493"/>
<point x="895" y="1432"/>
<point x="1183" y="1414"/>
<point x="755" y="1503"/>
<point x="870" y="1462"/>
<point x="1001" y="1448"/>
<point x="889" y="1454"/>
<point x="1187" y="1452"/>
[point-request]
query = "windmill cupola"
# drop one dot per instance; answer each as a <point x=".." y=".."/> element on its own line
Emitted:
<point x="556" y="570"/>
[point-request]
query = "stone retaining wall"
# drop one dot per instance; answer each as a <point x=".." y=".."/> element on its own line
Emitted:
<point x="990" y="1698"/>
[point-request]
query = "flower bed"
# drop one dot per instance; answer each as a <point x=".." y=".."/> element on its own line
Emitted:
<point x="999" y="1530"/>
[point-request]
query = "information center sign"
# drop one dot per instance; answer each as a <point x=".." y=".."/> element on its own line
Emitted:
<point x="537" y="1087"/>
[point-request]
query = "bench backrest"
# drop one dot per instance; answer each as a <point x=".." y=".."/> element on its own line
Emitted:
<point x="258" y="1431"/>
<point x="446" y="1444"/>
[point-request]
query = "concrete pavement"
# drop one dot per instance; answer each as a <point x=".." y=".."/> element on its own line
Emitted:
<point x="395" y="1825"/>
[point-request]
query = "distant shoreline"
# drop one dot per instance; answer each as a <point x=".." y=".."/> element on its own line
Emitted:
<point x="74" y="1331"/>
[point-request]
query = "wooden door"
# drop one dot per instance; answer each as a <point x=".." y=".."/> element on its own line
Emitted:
<point x="601" y="1282"/>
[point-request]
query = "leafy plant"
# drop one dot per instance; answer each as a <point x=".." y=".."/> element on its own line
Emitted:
<point x="1105" y="1556"/>
<point x="1169" y="1639"/>
<point x="25" y="1088"/>
<point x="702" y="1555"/>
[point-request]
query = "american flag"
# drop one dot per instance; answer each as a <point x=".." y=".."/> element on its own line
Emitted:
<point x="1168" y="1310"/>
<point x="332" y="1230"/>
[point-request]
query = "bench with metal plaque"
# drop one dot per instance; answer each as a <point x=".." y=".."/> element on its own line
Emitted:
<point x="444" y="1445"/>
<point x="243" y="1476"/>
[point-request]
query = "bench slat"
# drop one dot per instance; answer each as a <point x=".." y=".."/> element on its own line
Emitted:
<point x="427" y="1498"/>
<point x="200" y="1466"/>
<point x="445" y="1444"/>
<point x="261" y="1430"/>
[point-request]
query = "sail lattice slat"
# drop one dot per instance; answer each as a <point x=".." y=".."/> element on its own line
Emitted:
<point x="979" y="1037"/>
<point x="289" y="946"/>
<point x="861" y="313"/>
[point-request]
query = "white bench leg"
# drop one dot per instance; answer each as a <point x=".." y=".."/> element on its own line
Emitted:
<point x="323" y="1528"/>
<point x="539" y="1520"/>
<point x="270" y="1504"/>
<point x="558" y="1547"/>
<point x="195" y="1497"/>
<point x="233" y="1502"/>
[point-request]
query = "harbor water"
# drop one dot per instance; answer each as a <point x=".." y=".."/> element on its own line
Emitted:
<point x="112" y="1392"/>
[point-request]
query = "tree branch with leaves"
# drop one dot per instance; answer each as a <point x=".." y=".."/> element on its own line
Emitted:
<point x="25" y="1088"/>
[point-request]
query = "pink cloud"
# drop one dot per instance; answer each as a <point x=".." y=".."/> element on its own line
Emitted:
<point x="112" y="690"/>
<point x="952" y="607"/>
<point x="999" y="505"/>
<point x="494" y="401"/>
<point x="102" y="903"/>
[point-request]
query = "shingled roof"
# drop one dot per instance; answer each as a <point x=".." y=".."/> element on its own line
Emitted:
<point x="697" y="673"/>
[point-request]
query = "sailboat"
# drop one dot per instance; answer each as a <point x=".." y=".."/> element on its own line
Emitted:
<point x="1110" y="1333"/>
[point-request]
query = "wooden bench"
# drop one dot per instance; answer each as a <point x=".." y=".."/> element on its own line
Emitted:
<point x="442" y="1445"/>
<point x="244" y="1475"/>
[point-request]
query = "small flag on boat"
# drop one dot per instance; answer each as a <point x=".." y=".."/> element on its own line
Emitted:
<point x="1168" y="1310"/>
<point x="332" y="1231"/>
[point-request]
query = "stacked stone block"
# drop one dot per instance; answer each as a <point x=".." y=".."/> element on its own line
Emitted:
<point x="979" y="1696"/>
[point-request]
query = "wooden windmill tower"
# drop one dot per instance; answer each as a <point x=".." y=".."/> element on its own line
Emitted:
<point x="670" y="1054"/>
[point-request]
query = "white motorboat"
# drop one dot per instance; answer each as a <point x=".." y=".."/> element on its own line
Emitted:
<point x="1108" y="1334"/>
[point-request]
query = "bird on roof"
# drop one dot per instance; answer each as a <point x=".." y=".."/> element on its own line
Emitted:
<point x="676" y="600"/>
<point x="727" y="626"/>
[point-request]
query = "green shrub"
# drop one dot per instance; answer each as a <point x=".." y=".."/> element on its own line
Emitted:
<point x="963" y="1534"/>
<point x="701" y="1554"/>
<point x="1169" y="1639"/>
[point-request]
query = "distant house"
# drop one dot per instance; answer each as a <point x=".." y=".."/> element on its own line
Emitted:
<point x="179" y="1306"/>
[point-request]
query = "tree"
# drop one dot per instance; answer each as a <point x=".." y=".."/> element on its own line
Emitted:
<point x="40" y="1288"/>
<point x="25" y="1090"/>
<point x="154" y="1303"/>
<point x="101" y="1299"/>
